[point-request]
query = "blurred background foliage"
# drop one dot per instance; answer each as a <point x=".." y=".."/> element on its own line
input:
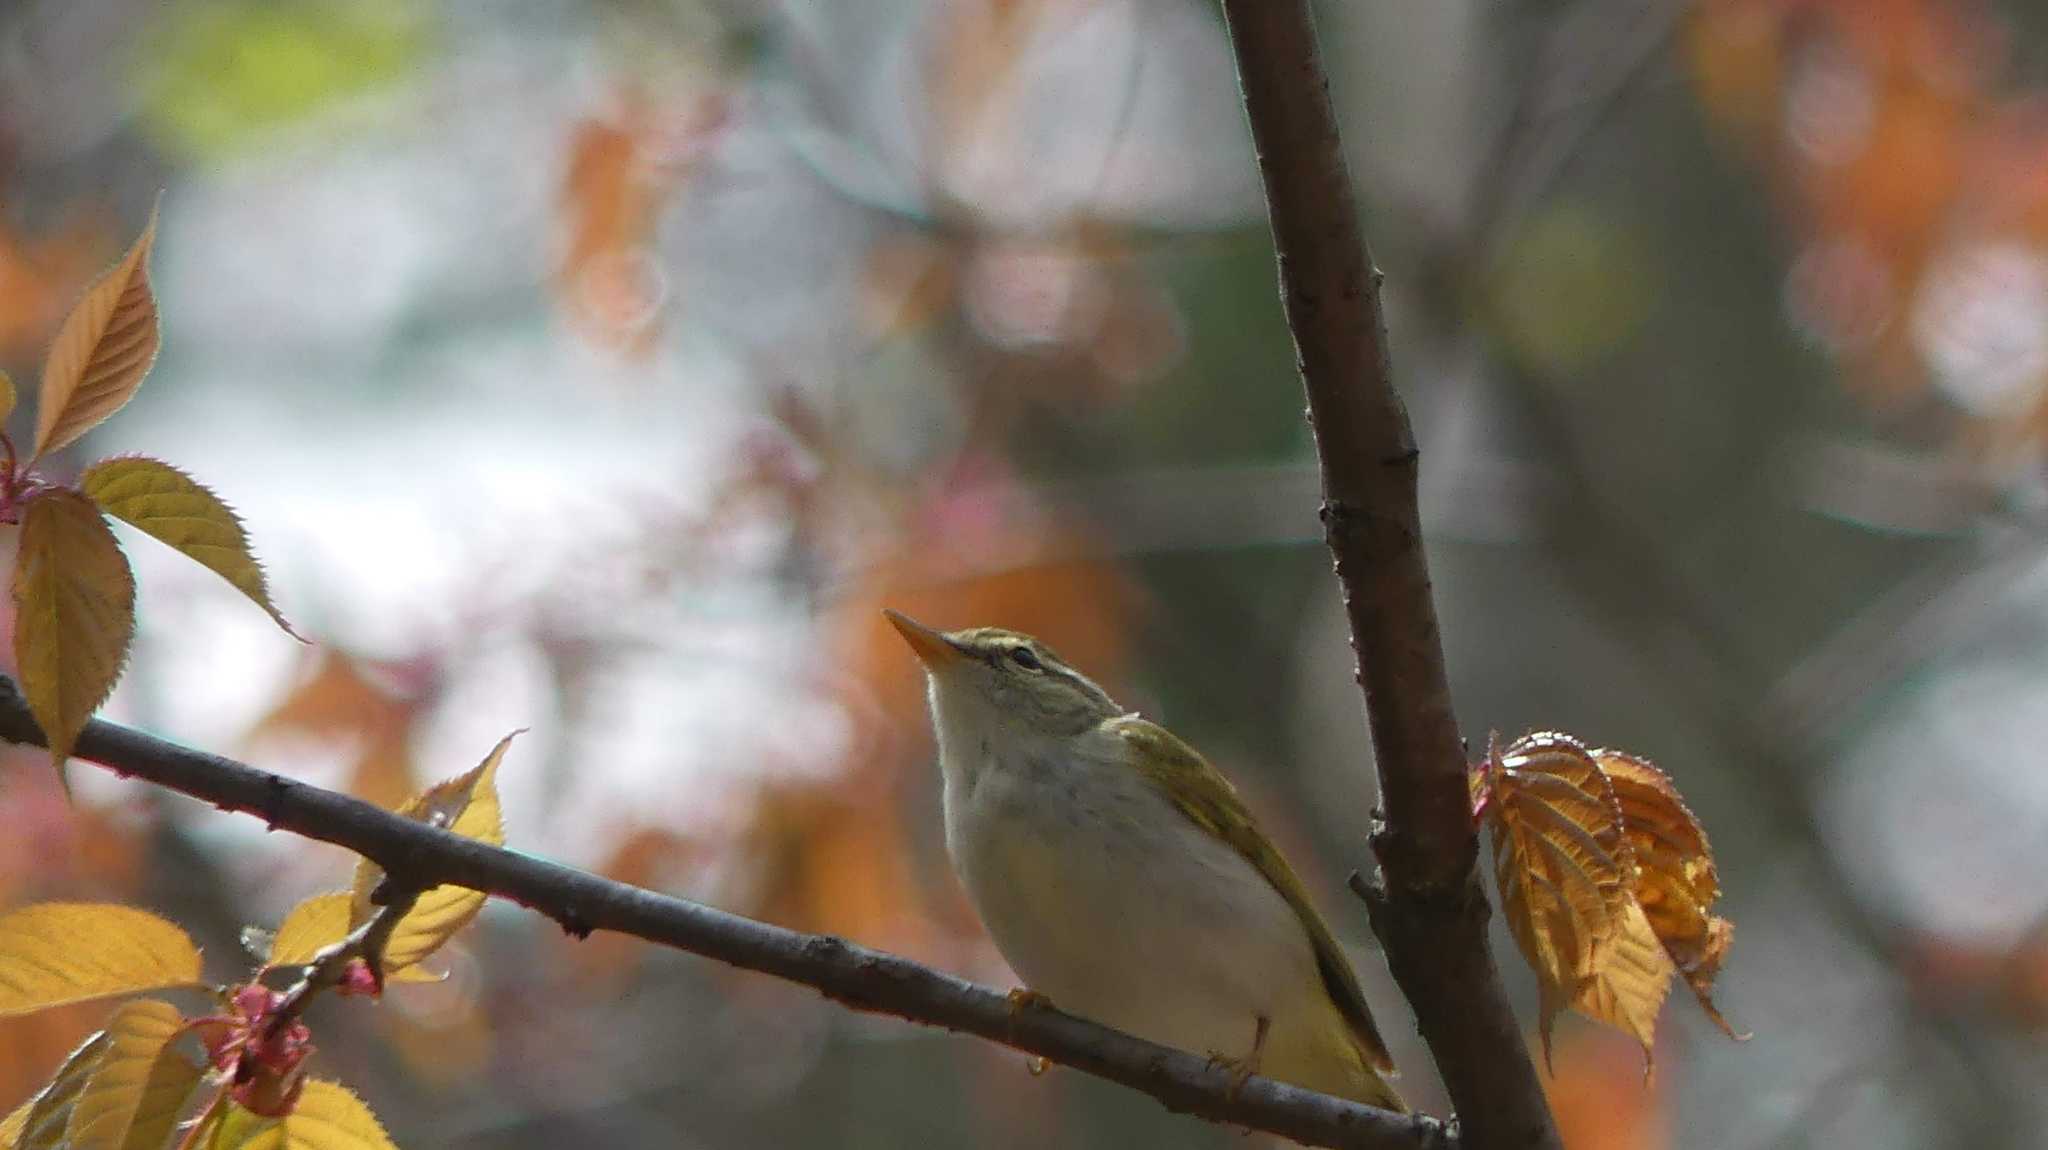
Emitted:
<point x="602" y="368"/>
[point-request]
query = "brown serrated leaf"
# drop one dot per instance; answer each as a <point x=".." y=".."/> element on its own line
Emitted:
<point x="140" y="1084"/>
<point x="1561" y="859"/>
<point x="1630" y="987"/>
<point x="49" y="1112"/>
<point x="102" y="351"/>
<point x="74" y="603"/>
<point x="166" y="503"/>
<point x="326" y="1117"/>
<point x="1676" y="882"/>
<point x="57" y="952"/>
<point x="8" y="398"/>
<point x="466" y="805"/>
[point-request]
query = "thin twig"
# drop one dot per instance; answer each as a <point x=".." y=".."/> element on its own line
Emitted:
<point x="1430" y="913"/>
<point x="853" y="975"/>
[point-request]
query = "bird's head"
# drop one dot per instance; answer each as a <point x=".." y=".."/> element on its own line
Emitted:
<point x="988" y="683"/>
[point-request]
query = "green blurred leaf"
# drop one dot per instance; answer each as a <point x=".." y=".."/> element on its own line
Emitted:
<point x="1571" y="288"/>
<point x="220" y="76"/>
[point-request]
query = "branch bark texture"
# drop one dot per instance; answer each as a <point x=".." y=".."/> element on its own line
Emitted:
<point x="421" y="856"/>
<point x="1430" y="912"/>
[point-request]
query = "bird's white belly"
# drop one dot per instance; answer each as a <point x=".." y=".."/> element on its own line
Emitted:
<point x="1114" y="904"/>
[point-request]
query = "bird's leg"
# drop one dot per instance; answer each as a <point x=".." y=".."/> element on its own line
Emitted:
<point x="1241" y="1069"/>
<point x="1024" y="998"/>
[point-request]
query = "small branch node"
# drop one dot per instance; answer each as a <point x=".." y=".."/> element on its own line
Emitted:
<point x="366" y="942"/>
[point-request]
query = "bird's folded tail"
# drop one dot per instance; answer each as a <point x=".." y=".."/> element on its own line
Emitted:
<point x="1374" y="1090"/>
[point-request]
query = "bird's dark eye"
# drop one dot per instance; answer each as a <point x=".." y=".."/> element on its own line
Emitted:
<point x="1026" y="658"/>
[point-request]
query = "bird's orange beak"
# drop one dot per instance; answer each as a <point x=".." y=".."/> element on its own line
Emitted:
<point x="931" y="646"/>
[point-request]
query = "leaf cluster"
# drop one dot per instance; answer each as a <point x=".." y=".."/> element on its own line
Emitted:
<point x="74" y="594"/>
<point x="1606" y="880"/>
<point x="131" y="1085"/>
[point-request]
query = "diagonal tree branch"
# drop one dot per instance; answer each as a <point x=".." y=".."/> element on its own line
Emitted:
<point x="849" y="974"/>
<point x="1430" y="912"/>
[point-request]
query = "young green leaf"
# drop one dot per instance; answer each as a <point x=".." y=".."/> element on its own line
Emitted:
<point x="74" y="601"/>
<point x="163" y="501"/>
<point x="57" y="952"/>
<point x="319" y="922"/>
<point x="49" y="1112"/>
<point x="228" y="1126"/>
<point x="326" y="1117"/>
<point x="138" y="1089"/>
<point x="467" y="805"/>
<point x="313" y="925"/>
<point x="101" y="352"/>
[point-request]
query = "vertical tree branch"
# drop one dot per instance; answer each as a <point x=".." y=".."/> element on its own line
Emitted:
<point x="1430" y="913"/>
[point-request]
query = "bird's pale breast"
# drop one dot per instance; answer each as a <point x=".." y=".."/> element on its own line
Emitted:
<point x="1107" y="899"/>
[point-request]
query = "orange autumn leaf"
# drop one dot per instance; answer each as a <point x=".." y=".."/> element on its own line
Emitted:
<point x="347" y="697"/>
<point x="41" y="275"/>
<point x="102" y="351"/>
<point x="1600" y="1101"/>
<point x="2025" y="980"/>
<point x="622" y="170"/>
<point x="979" y="48"/>
<point x="1606" y="881"/>
<point x="1736" y="50"/>
<point x="1628" y="989"/>
<point x="1676" y="883"/>
<point x="822" y="858"/>
<point x="340" y="697"/>
<point x="32" y="1045"/>
<point x="907" y="281"/>
<point x="609" y="201"/>
<point x="1561" y="860"/>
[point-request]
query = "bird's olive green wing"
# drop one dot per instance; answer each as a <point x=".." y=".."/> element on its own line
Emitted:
<point x="1210" y="802"/>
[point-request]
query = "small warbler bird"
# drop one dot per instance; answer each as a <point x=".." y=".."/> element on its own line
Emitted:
<point x="1124" y="880"/>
